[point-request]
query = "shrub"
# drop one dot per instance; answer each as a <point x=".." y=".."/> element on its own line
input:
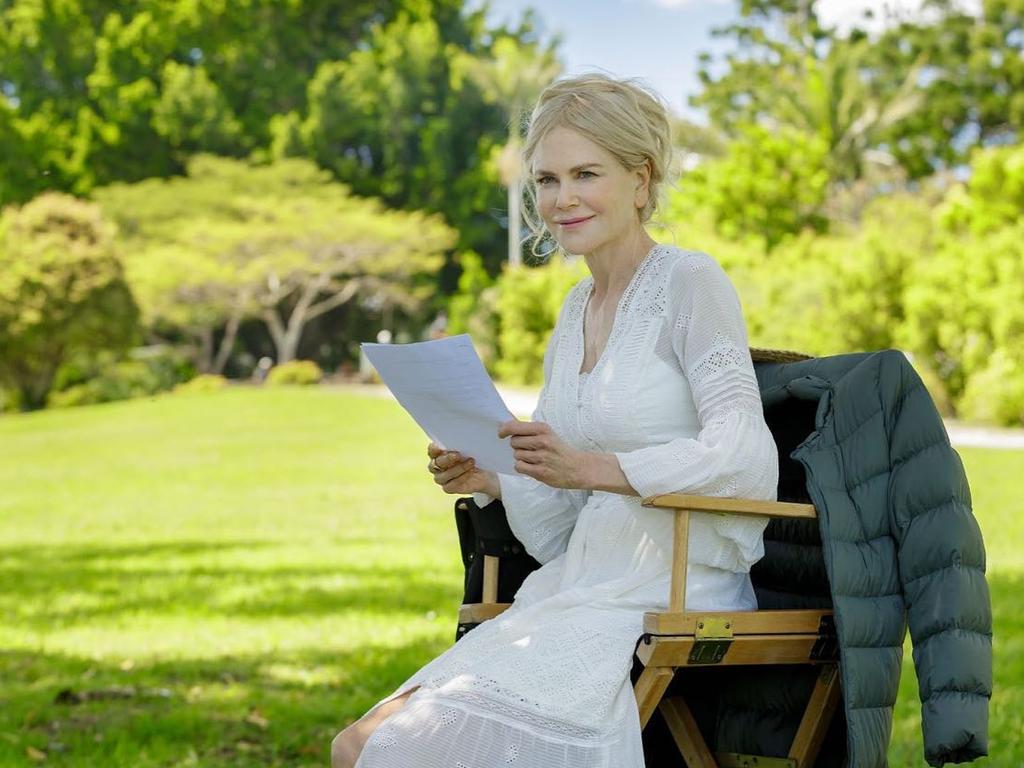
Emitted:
<point x="206" y="382"/>
<point x="995" y="394"/>
<point x="528" y="305"/>
<point x="121" y="381"/>
<point x="105" y="377"/>
<point x="295" y="372"/>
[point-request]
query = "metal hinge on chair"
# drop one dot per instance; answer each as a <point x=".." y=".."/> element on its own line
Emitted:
<point x="712" y="638"/>
<point x="826" y="647"/>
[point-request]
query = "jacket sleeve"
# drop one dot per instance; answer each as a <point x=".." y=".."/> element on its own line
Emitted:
<point x="541" y="517"/>
<point x="734" y="454"/>
<point x="942" y="570"/>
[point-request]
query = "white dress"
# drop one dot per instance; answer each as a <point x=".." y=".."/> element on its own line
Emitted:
<point x="546" y="684"/>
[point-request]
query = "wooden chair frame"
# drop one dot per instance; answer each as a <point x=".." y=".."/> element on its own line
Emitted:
<point x="679" y="638"/>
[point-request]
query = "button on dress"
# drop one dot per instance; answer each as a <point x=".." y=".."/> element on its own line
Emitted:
<point x="546" y="684"/>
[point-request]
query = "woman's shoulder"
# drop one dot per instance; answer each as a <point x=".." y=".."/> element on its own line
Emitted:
<point x="689" y="260"/>
<point x="684" y="269"/>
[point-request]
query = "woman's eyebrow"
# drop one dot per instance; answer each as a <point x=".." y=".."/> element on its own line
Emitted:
<point x="571" y="170"/>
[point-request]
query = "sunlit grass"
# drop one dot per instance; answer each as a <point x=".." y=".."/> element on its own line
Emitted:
<point x="249" y="570"/>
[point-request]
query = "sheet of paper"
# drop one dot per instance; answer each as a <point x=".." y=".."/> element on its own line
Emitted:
<point x="444" y="387"/>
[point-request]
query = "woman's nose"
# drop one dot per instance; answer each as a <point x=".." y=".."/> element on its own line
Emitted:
<point x="566" y="196"/>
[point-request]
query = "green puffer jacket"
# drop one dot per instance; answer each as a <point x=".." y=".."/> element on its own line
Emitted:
<point x="900" y="546"/>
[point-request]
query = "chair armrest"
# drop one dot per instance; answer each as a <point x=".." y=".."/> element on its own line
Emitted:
<point x="682" y="501"/>
<point x="683" y="504"/>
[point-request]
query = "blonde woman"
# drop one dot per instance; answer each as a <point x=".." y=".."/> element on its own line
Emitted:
<point x="648" y="388"/>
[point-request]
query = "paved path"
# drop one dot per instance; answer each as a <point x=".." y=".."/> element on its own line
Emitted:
<point x="522" y="400"/>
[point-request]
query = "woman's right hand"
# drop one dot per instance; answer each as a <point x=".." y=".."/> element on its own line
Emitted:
<point x="456" y="474"/>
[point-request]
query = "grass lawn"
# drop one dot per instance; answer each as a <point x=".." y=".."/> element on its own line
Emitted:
<point x="229" y="578"/>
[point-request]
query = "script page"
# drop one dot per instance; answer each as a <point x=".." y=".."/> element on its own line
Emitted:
<point x="445" y="388"/>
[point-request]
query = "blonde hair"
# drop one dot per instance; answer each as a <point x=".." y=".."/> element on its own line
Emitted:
<point x="624" y="117"/>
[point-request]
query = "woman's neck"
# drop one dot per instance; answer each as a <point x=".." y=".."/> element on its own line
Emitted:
<point x="613" y="264"/>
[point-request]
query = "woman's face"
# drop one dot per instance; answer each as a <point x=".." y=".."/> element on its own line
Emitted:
<point x="584" y="195"/>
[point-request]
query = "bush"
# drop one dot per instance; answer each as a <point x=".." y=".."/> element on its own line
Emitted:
<point x="105" y="377"/>
<point x="301" y="372"/>
<point x="995" y="394"/>
<point x="121" y="381"/>
<point x="206" y="382"/>
<point x="473" y="309"/>
<point x="528" y="305"/>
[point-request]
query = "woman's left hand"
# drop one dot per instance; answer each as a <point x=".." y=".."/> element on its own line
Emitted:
<point x="542" y="455"/>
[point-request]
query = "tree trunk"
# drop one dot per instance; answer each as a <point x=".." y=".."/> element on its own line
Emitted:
<point x="205" y="360"/>
<point x="228" y="342"/>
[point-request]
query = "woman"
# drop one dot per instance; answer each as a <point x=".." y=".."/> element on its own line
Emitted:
<point x="648" y="388"/>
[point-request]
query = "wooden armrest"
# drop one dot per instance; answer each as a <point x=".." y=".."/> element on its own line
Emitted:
<point x="690" y="503"/>
<point x="683" y="504"/>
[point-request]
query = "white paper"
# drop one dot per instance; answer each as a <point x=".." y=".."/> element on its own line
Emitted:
<point x="444" y="387"/>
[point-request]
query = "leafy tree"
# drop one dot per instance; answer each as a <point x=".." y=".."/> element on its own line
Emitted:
<point x="973" y="84"/>
<point x="767" y="186"/>
<point x="281" y="242"/>
<point x="791" y="71"/>
<point x="993" y="198"/>
<point x="62" y="291"/>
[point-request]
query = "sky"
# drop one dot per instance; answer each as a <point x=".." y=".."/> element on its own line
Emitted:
<point x="658" y="40"/>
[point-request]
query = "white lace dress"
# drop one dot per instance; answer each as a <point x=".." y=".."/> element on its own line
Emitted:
<point x="547" y="683"/>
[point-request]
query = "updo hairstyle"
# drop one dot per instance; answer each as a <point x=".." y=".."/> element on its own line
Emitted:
<point x="624" y="117"/>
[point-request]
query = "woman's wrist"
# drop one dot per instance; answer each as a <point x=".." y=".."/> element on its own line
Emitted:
<point x="602" y="472"/>
<point x="492" y="487"/>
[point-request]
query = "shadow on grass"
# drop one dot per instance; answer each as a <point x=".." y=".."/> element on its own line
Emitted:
<point x="48" y="587"/>
<point x="282" y="708"/>
<point x="237" y="710"/>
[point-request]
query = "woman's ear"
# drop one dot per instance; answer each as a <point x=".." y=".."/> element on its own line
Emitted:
<point x="643" y="184"/>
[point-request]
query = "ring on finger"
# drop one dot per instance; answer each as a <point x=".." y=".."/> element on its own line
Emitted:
<point x="433" y="466"/>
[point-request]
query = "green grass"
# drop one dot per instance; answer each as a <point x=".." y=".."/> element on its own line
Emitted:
<point x="252" y="569"/>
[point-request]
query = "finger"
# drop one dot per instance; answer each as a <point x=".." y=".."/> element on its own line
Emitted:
<point x="529" y="442"/>
<point x="434" y="450"/>
<point x="530" y="457"/>
<point x="448" y="459"/>
<point x="523" y="428"/>
<point x="451" y="473"/>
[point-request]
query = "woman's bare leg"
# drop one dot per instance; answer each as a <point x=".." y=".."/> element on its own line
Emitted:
<point x="348" y="744"/>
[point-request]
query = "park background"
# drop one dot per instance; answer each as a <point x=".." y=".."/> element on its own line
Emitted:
<point x="218" y="541"/>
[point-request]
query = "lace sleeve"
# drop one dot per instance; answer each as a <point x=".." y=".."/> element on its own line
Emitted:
<point x="540" y="516"/>
<point x="734" y="454"/>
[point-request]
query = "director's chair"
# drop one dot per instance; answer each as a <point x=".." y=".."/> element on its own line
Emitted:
<point x="677" y="642"/>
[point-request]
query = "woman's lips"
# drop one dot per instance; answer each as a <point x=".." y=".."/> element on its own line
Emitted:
<point x="572" y="223"/>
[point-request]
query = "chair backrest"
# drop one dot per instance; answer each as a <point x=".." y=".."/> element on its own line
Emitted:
<point x="792" y="572"/>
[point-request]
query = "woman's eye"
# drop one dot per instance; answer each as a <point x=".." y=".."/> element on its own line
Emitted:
<point x="544" y="179"/>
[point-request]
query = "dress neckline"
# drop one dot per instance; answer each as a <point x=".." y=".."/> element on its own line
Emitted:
<point x="626" y="294"/>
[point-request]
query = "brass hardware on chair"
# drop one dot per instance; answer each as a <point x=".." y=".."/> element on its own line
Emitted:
<point x="713" y="636"/>
<point x="710" y="628"/>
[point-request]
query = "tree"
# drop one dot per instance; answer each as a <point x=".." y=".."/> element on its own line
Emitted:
<point x="279" y="242"/>
<point x="62" y="291"/>
<point x="106" y="77"/>
<point x="400" y="120"/>
<point x="767" y="186"/>
<point x="973" y="84"/>
<point x="513" y="76"/>
<point x="807" y="78"/>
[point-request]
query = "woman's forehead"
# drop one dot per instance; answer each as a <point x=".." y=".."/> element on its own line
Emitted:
<point x="564" y="149"/>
